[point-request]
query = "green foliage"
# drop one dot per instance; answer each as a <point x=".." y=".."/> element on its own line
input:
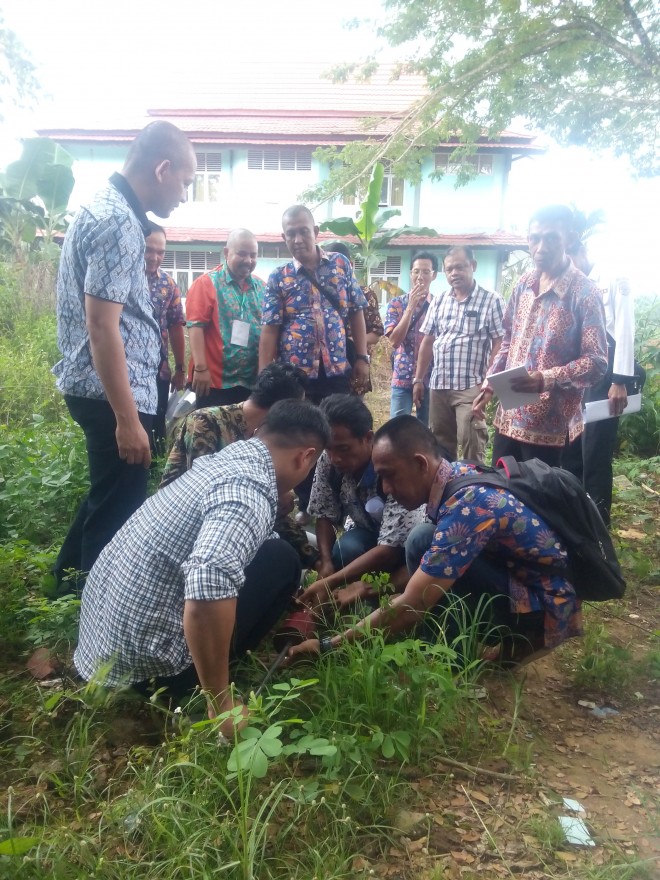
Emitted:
<point x="52" y="623"/>
<point x="640" y="433"/>
<point x="489" y="63"/>
<point x="369" y="227"/>
<point x="17" y="80"/>
<point x="22" y="569"/>
<point x="604" y="668"/>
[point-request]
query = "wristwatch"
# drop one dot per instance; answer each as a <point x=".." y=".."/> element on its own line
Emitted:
<point x="363" y="357"/>
<point x="325" y="645"/>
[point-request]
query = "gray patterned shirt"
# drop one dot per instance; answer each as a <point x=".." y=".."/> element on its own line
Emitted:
<point x="349" y="502"/>
<point x="191" y="540"/>
<point x="103" y="256"/>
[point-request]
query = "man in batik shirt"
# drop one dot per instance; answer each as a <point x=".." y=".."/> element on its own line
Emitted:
<point x="223" y="309"/>
<point x="484" y="547"/>
<point x="168" y="311"/>
<point x="554" y="325"/>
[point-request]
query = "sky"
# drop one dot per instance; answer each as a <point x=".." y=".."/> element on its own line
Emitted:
<point x="108" y="61"/>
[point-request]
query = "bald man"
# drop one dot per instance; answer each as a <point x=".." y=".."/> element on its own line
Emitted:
<point x="223" y="311"/>
<point x="108" y="336"/>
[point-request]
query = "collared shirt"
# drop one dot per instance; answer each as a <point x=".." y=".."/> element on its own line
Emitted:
<point x="190" y="541"/>
<point x="464" y="333"/>
<point x="346" y="501"/>
<point x="312" y="329"/>
<point x="492" y="521"/>
<point x="405" y="354"/>
<point x="168" y="311"/>
<point x="561" y="333"/>
<point x="103" y="256"/>
<point x="215" y="301"/>
<point x="619" y="307"/>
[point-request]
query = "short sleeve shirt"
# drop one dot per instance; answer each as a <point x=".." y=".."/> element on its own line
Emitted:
<point x="312" y="329"/>
<point x="344" y="500"/>
<point x="405" y="354"/>
<point x="168" y="311"/>
<point x="103" y="256"/>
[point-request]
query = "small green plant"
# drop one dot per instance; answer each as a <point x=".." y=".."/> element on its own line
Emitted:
<point x="52" y="623"/>
<point x="603" y="667"/>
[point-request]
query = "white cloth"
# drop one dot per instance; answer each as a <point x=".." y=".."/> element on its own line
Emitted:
<point x="619" y="318"/>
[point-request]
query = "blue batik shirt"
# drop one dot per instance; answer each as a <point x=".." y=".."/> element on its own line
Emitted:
<point x="103" y="256"/>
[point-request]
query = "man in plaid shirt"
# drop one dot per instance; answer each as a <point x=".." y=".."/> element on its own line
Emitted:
<point x="193" y="578"/>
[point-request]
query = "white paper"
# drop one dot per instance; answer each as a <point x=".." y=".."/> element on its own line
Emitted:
<point x="508" y="398"/>
<point x="576" y="831"/>
<point x="597" y="410"/>
<point x="240" y="333"/>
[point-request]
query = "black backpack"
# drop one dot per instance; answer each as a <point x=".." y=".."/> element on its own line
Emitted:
<point x="559" y="498"/>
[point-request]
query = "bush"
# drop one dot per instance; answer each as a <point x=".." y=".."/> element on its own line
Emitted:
<point x="640" y="433"/>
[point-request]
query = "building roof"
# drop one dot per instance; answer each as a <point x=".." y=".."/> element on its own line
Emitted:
<point x="291" y="104"/>
<point x="499" y="239"/>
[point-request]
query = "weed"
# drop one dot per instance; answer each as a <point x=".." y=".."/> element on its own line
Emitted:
<point x="603" y="667"/>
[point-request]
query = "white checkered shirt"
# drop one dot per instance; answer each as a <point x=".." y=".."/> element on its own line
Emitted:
<point x="464" y="333"/>
<point x="191" y="540"/>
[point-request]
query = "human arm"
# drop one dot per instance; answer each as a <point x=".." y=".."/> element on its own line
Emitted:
<point x="201" y="376"/>
<point x="208" y="629"/>
<point x="416" y="297"/>
<point x="178" y="345"/>
<point x="372" y="319"/>
<point x="102" y="321"/>
<point x="424" y="358"/>
<point x="268" y="343"/>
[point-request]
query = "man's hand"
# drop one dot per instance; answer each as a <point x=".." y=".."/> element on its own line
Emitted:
<point x="350" y="594"/>
<point x="317" y="594"/>
<point x="532" y="382"/>
<point x="133" y="443"/>
<point x="304" y="651"/>
<point x="178" y="381"/>
<point x="360" y="374"/>
<point x="418" y="393"/>
<point x="480" y="403"/>
<point x="618" y="397"/>
<point x="201" y="381"/>
<point x="324" y="568"/>
<point x="417" y="296"/>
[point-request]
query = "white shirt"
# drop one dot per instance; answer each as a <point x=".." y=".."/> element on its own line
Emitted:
<point x="619" y="318"/>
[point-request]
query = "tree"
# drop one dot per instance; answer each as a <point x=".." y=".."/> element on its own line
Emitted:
<point x="586" y="72"/>
<point x="17" y="80"/>
<point x="369" y="226"/>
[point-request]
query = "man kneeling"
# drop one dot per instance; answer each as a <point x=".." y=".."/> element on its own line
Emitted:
<point x="484" y="546"/>
<point x="347" y="492"/>
<point x="192" y="578"/>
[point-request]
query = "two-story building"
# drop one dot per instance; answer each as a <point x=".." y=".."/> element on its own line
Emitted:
<point x="255" y="136"/>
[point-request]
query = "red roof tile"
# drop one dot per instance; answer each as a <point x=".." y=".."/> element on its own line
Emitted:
<point x="190" y="235"/>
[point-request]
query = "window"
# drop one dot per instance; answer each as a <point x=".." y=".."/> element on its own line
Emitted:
<point x="482" y="163"/>
<point x="206" y="187"/>
<point x="274" y="252"/>
<point x="391" y="195"/>
<point x="388" y="270"/>
<point x="186" y="266"/>
<point x="279" y="160"/>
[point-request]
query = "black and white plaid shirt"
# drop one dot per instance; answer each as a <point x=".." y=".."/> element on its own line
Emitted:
<point x="464" y="333"/>
<point x="191" y="540"/>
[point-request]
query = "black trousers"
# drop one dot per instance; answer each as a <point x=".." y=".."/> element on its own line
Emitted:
<point x="271" y="579"/>
<point x="223" y="396"/>
<point x="317" y="391"/>
<point x="163" y="386"/>
<point x="116" y="489"/>
<point x="524" y="451"/>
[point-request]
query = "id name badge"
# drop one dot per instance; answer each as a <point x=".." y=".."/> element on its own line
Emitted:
<point x="240" y="333"/>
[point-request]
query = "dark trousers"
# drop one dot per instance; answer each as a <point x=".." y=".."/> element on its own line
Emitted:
<point x="116" y="489"/>
<point x="223" y="396"/>
<point x="317" y="391"/>
<point x="481" y="593"/>
<point x="163" y="386"/>
<point x="524" y="451"/>
<point x="271" y="579"/>
<point x="351" y="545"/>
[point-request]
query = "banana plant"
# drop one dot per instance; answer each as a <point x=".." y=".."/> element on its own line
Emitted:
<point x="35" y="194"/>
<point x="369" y="226"/>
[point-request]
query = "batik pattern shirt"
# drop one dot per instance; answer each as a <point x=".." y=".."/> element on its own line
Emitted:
<point x="492" y="521"/>
<point x="464" y="332"/>
<point x="189" y="541"/>
<point x="209" y="430"/>
<point x="103" y="256"/>
<point x="560" y="333"/>
<point x="214" y="302"/>
<point x="405" y="354"/>
<point x="312" y="329"/>
<point x="168" y="311"/>
<point x="343" y="499"/>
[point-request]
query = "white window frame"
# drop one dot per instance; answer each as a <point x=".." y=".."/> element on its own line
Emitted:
<point x="482" y="163"/>
<point x="186" y="266"/>
<point x="390" y="181"/>
<point x="209" y="170"/>
<point x="279" y="159"/>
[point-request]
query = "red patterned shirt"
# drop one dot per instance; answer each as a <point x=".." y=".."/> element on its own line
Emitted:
<point x="560" y="333"/>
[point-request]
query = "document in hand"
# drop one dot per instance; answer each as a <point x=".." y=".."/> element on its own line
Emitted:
<point x="597" y="410"/>
<point x="508" y="398"/>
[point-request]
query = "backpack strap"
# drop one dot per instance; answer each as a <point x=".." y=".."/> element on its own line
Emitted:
<point x="509" y="465"/>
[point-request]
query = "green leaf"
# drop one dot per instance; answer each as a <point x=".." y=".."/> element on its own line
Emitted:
<point x="386" y="214"/>
<point x="341" y="226"/>
<point x="388" y="747"/>
<point x="366" y="223"/>
<point x="17" y="846"/>
<point x="389" y="235"/>
<point x="54" y="187"/>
